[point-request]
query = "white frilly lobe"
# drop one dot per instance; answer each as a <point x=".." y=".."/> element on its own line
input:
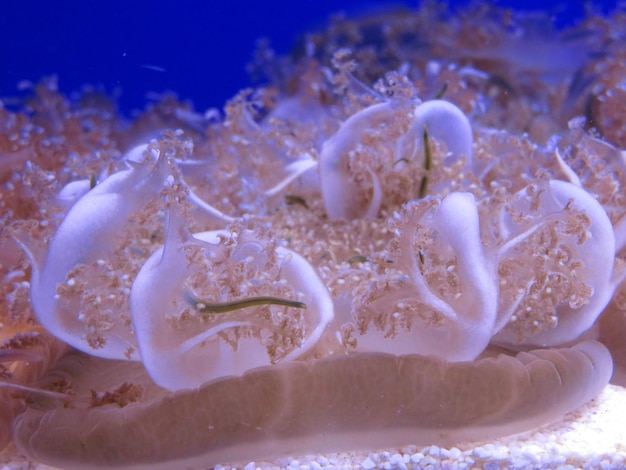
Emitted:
<point x="179" y="358"/>
<point x="444" y="121"/>
<point x="83" y="237"/>
<point x="469" y="320"/>
<point x="339" y="191"/>
<point x="475" y="310"/>
<point x="597" y="255"/>
<point x="482" y="310"/>
<point x="96" y="217"/>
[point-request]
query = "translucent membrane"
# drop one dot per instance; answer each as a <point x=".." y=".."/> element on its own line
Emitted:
<point x="347" y="402"/>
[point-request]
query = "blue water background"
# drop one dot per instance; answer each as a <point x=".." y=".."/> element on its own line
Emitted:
<point x="199" y="49"/>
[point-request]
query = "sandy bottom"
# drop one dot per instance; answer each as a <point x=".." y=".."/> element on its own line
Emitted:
<point x="592" y="437"/>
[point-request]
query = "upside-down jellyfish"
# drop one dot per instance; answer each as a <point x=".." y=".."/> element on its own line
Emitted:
<point x="383" y="246"/>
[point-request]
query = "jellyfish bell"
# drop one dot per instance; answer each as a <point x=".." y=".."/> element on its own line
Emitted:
<point x="272" y="408"/>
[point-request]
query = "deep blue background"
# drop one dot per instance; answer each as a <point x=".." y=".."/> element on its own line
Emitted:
<point x="200" y="48"/>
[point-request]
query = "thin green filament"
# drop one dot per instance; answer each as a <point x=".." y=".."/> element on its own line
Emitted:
<point x="225" y="307"/>
<point x="442" y="92"/>
<point x="428" y="162"/>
